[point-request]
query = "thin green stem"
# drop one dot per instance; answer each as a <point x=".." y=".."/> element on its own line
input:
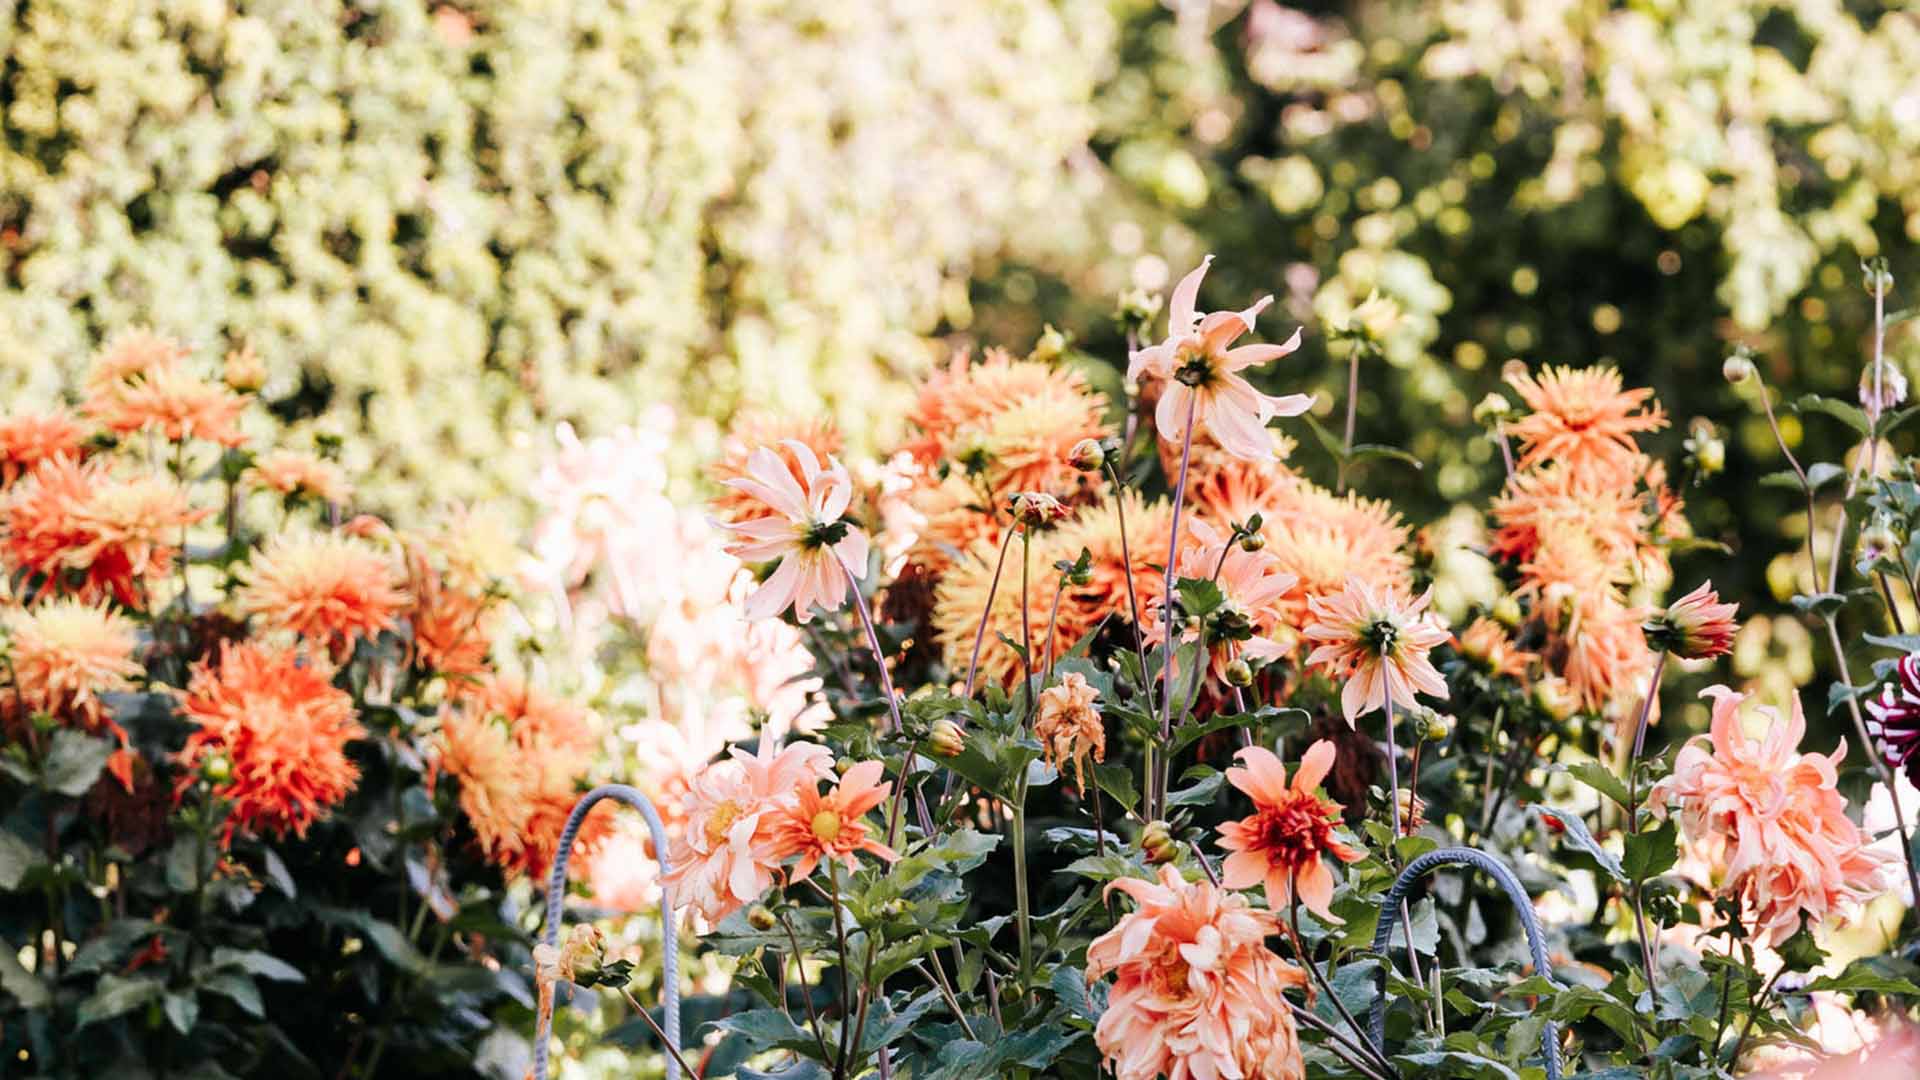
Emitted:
<point x="1021" y="901"/>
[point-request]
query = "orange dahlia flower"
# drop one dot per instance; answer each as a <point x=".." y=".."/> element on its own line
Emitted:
<point x="291" y="472"/>
<point x="1376" y="641"/>
<point x="1254" y="586"/>
<point x="64" y="655"/>
<point x="1197" y="995"/>
<point x="170" y="401"/>
<point x="1291" y="828"/>
<point x="333" y="590"/>
<point x="1067" y="723"/>
<point x="816" y="827"/>
<point x="116" y="534"/>
<point x="1771" y="820"/>
<point x="723" y="859"/>
<point x="1012" y="422"/>
<point x="285" y="728"/>
<point x="29" y="438"/>
<point x="1201" y="374"/>
<point x="1487" y="643"/>
<point x="1582" y="418"/>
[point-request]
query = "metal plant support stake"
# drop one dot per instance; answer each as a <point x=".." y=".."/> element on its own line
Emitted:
<point x="1495" y="869"/>
<point x="670" y="950"/>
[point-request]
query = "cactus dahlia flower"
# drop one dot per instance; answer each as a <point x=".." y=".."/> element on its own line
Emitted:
<point x="1201" y="374"/>
<point x="284" y="728"/>
<point x="1376" y="641"/>
<point x="29" y="438"/>
<point x="1283" y="842"/>
<point x="333" y="590"/>
<point x="291" y="472"/>
<point x="803" y="528"/>
<point x="1197" y="994"/>
<point x="117" y="534"/>
<point x="1771" y="821"/>
<point x="1012" y="423"/>
<point x="1583" y="419"/>
<point x="722" y="860"/>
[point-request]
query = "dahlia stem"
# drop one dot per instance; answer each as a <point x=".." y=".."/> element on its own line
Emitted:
<point x="1021" y="902"/>
<point x="1026" y="620"/>
<point x="1166" y="608"/>
<point x="1506" y="448"/>
<point x="1353" y="395"/>
<point x="979" y="635"/>
<point x="1806" y="486"/>
<point x="1126" y="557"/>
<point x="886" y="688"/>
<point x="1633" y="813"/>
<point x="1393" y="848"/>
<point x="1053" y="620"/>
<point x="1362" y="1042"/>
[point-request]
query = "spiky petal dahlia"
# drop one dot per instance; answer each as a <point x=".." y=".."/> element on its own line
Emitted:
<point x="291" y="472"/>
<point x="89" y="532"/>
<point x="333" y="590"/>
<point x="960" y="599"/>
<point x="1012" y="424"/>
<point x="29" y="438"/>
<point x="1201" y="374"/>
<point x="1583" y="419"/>
<point x="1771" y="820"/>
<point x="1285" y="842"/>
<point x="63" y="655"/>
<point x="284" y="727"/>
<point x="1376" y="641"/>
<point x="170" y="401"/>
<point x="1197" y="995"/>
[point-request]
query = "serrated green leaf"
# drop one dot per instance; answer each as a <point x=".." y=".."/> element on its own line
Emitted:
<point x="1601" y="779"/>
<point x="75" y="760"/>
<point x="1575" y="832"/>
<point x="1652" y="853"/>
<point x="1117" y="781"/>
<point x="1849" y="415"/>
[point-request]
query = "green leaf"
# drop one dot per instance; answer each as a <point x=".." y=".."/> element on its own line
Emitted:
<point x="116" y="995"/>
<point x="884" y="1026"/>
<point x="1198" y="596"/>
<point x="767" y="1029"/>
<point x="1069" y="984"/>
<point x="1850" y="415"/>
<point x="1364" y="451"/>
<point x="188" y="861"/>
<point x="1905" y="643"/>
<point x="1801" y="952"/>
<point x="17" y="859"/>
<point x="1117" y="781"/>
<point x="1575" y="831"/>
<point x="75" y="761"/>
<point x="255" y="962"/>
<point x="1650" y="854"/>
<point x="236" y="988"/>
<point x="1825" y="603"/>
<point x="276" y="871"/>
<point x="182" y="1010"/>
<point x="1200" y="793"/>
<point x="1861" y="979"/>
<point x="1601" y="779"/>
<point x="1456" y="1063"/>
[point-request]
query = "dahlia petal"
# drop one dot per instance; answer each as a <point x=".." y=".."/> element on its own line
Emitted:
<point x="1180" y="306"/>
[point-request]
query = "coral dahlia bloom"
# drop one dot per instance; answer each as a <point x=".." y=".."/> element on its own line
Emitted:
<point x="1010" y="422"/>
<point x="1202" y="374"/>
<point x="1197" y="995"/>
<point x="1488" y="644"/>
<point x="804" y="530"/>
<point x="63" y="655"/>
<point x="331" y="589"/>
<point x="117" y="535"/>
<point x="749" y="432"/>
<point x="1282" y="843"/>
<point x="172" y="402"/>
<point x="816" y="827"/>
<point x="1067" y="723"/>
<point x="284" y="726"/>
<point x="1254" y="586"/>
<point x="291" y="472"/>
<point x="1376" y="641"/>
<point x="1894" y="719"/>
<point x="1771" y="820"/>
<point x="1582" y="418"/>
<point x="29" y="438"/>
<point x="723" y="861"/>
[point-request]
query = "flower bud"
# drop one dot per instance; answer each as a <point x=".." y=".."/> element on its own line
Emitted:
<point x="1875" y="275"/>
<point x="245" y="371"/>
<point x="760" y="918"/>
<point x="1438" y="726"/>
<point x="1737" y="368"/>
<point x="1253" y="542"/>
<point x="947" y="738"/>
<point x="216" y="768"/>
<point x="1239" y="673"/>
<point x="1413" y="812"/>
<point x="1087" y="455"/>
<point x="1883" y="386"/>
<point x="1080" y="576"/>
<point x="1492" y="409"/>
<point x="1158" y="844"/>
<point x="1036" y="509"/>
<point x="1051" y="345"/>
<point x="1506" y="611"/>
<point x="1696" y="627"/>
<point x="1877" y="541"/>
<point x="1555" y="697"/>
<point x="1136" y="309"/>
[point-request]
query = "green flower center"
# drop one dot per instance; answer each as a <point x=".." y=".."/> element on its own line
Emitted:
<point x="825" y="534"/>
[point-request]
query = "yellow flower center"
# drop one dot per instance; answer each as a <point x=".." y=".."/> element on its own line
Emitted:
<point x="826" y="826"/>
<point x="722" y="819"/>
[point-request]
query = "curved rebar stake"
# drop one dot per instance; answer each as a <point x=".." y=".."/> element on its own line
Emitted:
<point x="670" y="950"/>
<point x="1495" y="869"/>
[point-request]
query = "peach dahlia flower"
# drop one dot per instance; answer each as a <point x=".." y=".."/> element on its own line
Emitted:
<point x="803" y="530"/>
<point x="1282" y="842"/>
<point x="1771" y="820"/>
<point x="1202" y="374"/>
<point x="331" y="589"/>
<point x="1376" y="640"/>
<point x="1067" y="723"/>
<point x="819" y="828"/>
<point x="1197" y="994"/>
<point x="722" y="861"/>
